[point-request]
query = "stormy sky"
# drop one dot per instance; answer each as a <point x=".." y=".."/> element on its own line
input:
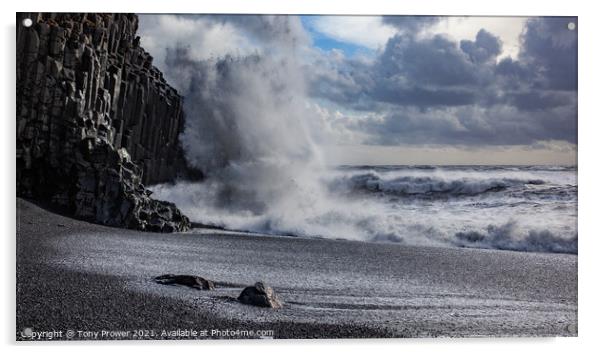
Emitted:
<point x="383" y="90"/>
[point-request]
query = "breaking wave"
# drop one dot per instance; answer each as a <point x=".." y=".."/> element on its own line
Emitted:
<point x="431" y="186"/>
<point x="520" y="210"/>
<point x="504" y="237"/>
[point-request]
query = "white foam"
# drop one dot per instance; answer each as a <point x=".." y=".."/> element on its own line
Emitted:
<point x="528" y="215"/>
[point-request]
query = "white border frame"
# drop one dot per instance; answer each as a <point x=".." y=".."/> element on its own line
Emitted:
<point x="588" y="165"/>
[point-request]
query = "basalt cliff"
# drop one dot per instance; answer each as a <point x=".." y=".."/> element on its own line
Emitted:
<point x="96" y="121"/>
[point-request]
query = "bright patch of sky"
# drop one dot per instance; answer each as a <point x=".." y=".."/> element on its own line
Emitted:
<point x="508" y="29"/>
<point x="351" y="34"/>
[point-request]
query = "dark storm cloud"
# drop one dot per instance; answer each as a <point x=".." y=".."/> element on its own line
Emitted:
<point x="405" y="93"/>
<point x="341" y="80"/>
<point x="471" y="125"/>
<point x="424" y="73"/>
<point x="434" y="61"/>
<point x="435" y="90"/>
<point x="512" y="75"/>
<point x="411" y="24"/>
<point x="486" y="47"/>
<point x="540" y="100"/>
<point x="550" y="49"/>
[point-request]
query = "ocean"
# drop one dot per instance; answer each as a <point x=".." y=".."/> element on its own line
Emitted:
<point x="519" y="208"/>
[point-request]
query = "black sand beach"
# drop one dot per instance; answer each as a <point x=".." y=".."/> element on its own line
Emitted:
<point x="77" y="276"/>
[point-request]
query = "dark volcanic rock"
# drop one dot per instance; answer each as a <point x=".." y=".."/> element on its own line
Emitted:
<point x="260" y="295"/>
<point x="186" y="280"/>
<point x="95" y="121"/>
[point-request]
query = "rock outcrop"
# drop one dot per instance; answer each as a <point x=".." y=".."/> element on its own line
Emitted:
<point x="95" y="121"/>
<point x="260" y="295"/>
<point x="191" y="281"/>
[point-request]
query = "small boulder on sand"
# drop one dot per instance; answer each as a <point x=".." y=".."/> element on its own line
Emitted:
<point x="191" y="281"/>
<point x="260" y="295"/>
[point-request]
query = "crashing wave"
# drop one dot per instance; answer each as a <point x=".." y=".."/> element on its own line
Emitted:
<point x="426" y="185"/>
<point x="505" y="237"/>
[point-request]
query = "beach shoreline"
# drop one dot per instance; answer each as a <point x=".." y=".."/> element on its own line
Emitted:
<point x="77" y="276"/>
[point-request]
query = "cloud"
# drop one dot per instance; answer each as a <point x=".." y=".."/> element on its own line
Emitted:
<point x="549" y="48"/>
<point x="344" y="81"/>
<point x="410" y="71"/>
<point x="434" y="61"/>
<point x="411" y="25"/>
<point x="472" y="126"/>
<point x="533" y="100"/>
<point x="548" y="56"/>
<point x="507" y="29"/>
<point x="432" y="89"/>
<point x="486" y="47"/>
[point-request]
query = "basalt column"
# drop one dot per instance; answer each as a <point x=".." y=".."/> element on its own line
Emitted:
<point x="95" y="121"/>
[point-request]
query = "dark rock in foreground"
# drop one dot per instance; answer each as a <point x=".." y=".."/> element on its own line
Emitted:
<point x="260" y="295"/>
<point x="191" y="281"/>
<point x="95" y="120"/>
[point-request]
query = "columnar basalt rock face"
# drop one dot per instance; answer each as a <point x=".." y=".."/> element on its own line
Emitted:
<point x="95" y="120"/>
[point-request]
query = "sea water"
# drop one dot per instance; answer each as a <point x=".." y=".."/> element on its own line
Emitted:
<point x="521" y="208"/>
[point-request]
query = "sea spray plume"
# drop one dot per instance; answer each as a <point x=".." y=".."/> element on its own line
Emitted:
<point x="245" y="126"/>
<point x="275" y="31"/>
<point x="243" y="109"/>
<point x="246" y="129"/>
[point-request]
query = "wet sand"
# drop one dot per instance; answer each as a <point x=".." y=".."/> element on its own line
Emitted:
<point x="77" y="276"/>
